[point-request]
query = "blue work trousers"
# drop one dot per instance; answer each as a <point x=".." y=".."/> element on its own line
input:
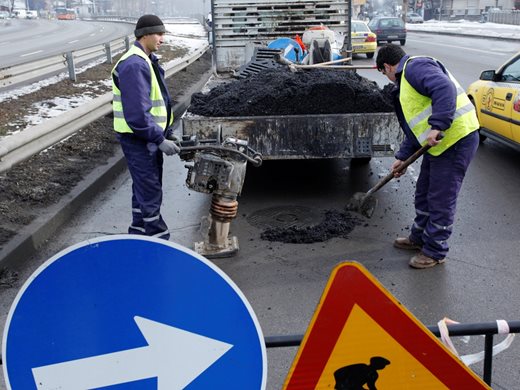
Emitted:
<point x="436" y="195"/>
<point x="145" y="164"/>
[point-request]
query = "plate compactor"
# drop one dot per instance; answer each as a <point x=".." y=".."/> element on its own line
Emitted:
<point x="219" y="169"/>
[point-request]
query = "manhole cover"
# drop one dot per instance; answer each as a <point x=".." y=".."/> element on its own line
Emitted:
<point x="284" y="217"/>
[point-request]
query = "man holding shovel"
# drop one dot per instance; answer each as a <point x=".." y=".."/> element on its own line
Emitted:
<point x="430" y="105"/>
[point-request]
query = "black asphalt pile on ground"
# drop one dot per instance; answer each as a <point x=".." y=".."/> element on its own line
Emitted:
<point x="335" y="224"/>
<point x="282" y="92"/>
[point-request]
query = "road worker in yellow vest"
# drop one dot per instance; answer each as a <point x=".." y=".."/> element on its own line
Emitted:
<point x="142" y="113"/>
<point x="429" y="101"/>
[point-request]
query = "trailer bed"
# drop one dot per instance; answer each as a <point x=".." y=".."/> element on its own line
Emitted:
<point x="310" y="136"/>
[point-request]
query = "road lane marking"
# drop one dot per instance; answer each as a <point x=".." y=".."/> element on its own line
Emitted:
<point x="30" y="54"/>
<point x="74" y="41"/>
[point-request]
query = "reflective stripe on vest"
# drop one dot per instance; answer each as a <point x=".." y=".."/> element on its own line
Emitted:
<point x="158" y="110"/>
<point x="417" y="109"/>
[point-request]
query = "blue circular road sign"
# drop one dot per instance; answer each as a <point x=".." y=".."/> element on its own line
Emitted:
<point x="132" y="312"/>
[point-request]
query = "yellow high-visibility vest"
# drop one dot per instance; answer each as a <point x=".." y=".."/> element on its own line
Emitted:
<point x="158" y="110"/>
<point x="417" y="109"/>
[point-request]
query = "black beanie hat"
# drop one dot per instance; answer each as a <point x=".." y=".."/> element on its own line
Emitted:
<point x="148" y="24"/>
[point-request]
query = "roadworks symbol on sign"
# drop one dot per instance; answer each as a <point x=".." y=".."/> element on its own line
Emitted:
<point x="362" y="336"/>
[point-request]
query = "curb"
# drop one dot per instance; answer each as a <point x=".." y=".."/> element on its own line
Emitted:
<point x="33" y="236"/>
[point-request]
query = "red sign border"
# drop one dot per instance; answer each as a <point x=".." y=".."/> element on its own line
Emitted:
<point x="350" y="284"/>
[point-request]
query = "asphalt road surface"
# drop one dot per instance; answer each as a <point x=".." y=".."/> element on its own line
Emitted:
<point x="283" y="282"/>
<point x="23" y="40"/>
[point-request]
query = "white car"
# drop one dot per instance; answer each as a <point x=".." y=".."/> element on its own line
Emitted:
<point x="413" y="17"/>
<point x="31" y="14"/>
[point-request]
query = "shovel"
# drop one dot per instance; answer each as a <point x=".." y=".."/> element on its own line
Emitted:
<point x="364" y="202"/>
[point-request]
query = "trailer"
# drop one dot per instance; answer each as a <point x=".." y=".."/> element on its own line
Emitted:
<point x="239" y="28"/>
<point x="220" y="147"/>
<point x="346" y="136"/>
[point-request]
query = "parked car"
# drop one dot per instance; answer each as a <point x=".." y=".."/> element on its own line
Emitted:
<point x="413" y="17"/>
<point x="4" y="15"/>
<point x="389" y="29"/>
<point x="496" y="96"/>
<point x="363" y="40"/>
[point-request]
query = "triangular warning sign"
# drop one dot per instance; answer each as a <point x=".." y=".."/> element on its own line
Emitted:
<point x="360" y="335"/>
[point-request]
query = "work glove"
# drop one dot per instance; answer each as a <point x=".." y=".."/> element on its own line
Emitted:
<point x="169" y="147"/>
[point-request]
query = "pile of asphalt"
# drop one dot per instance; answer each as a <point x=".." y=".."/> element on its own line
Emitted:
<point x="283" y="92"/>
<point x="334" y="224"/>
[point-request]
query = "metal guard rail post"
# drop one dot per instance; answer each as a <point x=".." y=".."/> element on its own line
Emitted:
<point x="14" y="75"/>
<point x="488" y="329"/>
<point x="21" y="146"/>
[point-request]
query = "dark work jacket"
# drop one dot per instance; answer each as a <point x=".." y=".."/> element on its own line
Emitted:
<point x="134" y="82"/>
<point x="429" y="78"/>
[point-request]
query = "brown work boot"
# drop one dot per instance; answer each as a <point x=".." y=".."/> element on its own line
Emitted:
<point x="421" y="261"/>
<point x="406" y="243"/>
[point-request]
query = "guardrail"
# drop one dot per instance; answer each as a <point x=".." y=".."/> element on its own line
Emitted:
<point x="21" y="146"/>
<point x="488" y="329"/>
<point x="470" y="329"/>
<point x="15" y="75"/>
<point x="27" y="72"/>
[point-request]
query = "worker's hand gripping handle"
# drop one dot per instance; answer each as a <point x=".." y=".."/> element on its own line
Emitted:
<point x="406" y="163"/>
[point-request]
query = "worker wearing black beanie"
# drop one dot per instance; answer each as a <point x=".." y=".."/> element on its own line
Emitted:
<point x="149" y="24"/>
<point x="143" y="118"/>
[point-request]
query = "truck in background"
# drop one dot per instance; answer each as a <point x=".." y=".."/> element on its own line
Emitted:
<point x="238" y="29"/>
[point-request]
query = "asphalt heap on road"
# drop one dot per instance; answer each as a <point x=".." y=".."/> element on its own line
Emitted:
<point x="283" y="92"/>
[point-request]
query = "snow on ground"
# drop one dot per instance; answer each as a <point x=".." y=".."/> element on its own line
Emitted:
<point x="494" y="30"/>
<point x="13" y="94"/>
<point x="187" y="29"/>
<point x="191" y="36"/>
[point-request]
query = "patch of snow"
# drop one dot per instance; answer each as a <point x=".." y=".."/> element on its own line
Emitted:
<point x="487" y="29"/>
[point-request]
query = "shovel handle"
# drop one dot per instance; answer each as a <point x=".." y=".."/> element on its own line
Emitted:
<point x="406" y="163"/>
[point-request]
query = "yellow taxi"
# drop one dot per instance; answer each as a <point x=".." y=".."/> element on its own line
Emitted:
<point x="496" y="96"/>
<point x="364" y="41"/>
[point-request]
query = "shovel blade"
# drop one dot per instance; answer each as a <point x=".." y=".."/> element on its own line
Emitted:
<point x="363" y="204"/>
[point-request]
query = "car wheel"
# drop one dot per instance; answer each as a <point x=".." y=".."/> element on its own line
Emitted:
<point x="481" y="137"/>
<point x="402" y="42"/>
<point x="370" y="55"/>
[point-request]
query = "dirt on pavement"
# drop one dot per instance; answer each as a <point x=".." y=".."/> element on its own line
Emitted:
<point x="33" y="185"/>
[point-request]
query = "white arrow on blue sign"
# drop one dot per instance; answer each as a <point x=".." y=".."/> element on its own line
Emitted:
<point x="132" y="312"/>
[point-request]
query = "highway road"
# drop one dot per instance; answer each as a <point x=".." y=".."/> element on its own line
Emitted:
<point x="283" y="282"/>
<point x="24" y="40"/>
